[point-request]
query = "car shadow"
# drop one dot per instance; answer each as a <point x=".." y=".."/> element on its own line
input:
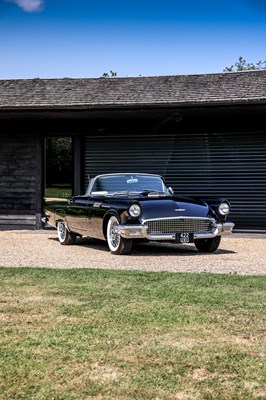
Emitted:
<point x="167" y="249"/>
<point x="147" y="249"/>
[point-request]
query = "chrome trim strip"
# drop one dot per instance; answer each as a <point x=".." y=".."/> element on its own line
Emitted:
<point x="181" y="217"/>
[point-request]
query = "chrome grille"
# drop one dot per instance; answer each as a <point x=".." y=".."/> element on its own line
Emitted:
<point x="179" y="225"/>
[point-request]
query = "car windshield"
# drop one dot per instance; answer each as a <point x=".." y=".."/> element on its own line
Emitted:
<point x="128" y="183"/>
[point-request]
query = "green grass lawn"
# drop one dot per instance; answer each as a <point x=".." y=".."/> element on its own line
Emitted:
<point x="58" y="191"/>
<point x="102" y="334"/>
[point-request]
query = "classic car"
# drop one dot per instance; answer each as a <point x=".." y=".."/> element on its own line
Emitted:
<point x="125" y="207"/>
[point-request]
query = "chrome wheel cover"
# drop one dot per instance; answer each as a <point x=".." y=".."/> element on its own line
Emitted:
<point x="61" y="229"/>
<point x="113" y="236"/>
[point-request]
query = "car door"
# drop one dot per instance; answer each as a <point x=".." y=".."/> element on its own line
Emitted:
<point x="96" y="210"/>
<point x="77" y="215"/>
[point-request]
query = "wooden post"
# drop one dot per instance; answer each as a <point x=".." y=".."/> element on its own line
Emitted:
<point x="39" y="176"/>
<point x="76" y="165"/>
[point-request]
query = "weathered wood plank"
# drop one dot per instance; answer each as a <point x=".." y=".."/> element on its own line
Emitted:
<point x="20" y="178"/>
<point x="8" y="220"/>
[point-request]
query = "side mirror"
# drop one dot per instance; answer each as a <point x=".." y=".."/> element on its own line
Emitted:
<point x="171" y="191"/>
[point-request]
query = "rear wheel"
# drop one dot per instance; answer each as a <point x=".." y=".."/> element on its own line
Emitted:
<point x="207" y="245"/>
<point x="64" y="236"/>
<point x="117" y="244"/>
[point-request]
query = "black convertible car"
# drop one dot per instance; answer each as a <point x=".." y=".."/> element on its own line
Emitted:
<point x="120" y="208"/>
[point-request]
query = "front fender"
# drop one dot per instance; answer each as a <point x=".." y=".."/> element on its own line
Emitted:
<point x="106" y="218"/>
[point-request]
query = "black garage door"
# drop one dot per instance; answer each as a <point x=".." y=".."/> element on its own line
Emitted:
<point x="211" y="164"/>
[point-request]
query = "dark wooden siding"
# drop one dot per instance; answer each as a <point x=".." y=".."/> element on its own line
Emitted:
<point x="20" y="178"/>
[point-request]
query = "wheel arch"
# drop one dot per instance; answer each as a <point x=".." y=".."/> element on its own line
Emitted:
<point x="61" y="220"/>
<point x="106" y="218"/>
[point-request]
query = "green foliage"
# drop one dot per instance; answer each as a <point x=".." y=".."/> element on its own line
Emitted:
<point x="243" y="65"/>
<point x="103" y="334"/>
<point x="58" y="160"/>
<point x="109" y="75"/>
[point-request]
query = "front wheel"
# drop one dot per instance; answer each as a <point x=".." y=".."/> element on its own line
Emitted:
<point x="208" y="245"/>
<point x="64" y="236"/>
<point x="117" y="244"/>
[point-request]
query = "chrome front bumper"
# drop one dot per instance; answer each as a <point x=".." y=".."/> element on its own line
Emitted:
<point x="141" y="232"/>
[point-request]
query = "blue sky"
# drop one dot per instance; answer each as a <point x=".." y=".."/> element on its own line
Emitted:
<point x="85" y="38"/>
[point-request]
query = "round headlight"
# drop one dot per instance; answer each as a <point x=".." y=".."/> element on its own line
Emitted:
<point x="224" y="208"/>
<point x="134" y="210"/>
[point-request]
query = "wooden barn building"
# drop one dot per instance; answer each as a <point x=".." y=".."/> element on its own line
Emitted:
<point x="206" y="134"/>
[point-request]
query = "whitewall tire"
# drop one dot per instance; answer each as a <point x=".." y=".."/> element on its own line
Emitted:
<point x="64" y="236"/>
<point x="117" y="244"/>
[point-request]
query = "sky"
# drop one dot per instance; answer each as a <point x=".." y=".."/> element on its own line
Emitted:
<point x="86" y="38"/>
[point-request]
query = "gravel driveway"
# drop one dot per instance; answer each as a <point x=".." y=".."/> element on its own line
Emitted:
<point x="238" y="254"/>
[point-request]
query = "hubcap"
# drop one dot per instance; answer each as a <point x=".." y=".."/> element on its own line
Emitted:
<point x="62" y="231"/>
<point x="114" y="234"/>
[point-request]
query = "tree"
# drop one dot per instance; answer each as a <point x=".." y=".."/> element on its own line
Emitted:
<point x="58" y="160"/>
<point x="111" y="75"/>
<point x="242" y="65"/>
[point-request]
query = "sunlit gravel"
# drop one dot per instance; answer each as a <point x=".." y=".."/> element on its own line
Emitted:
<point x="243" y="254"/>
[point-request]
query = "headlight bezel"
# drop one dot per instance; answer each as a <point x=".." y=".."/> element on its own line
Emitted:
<point x="134" y="210"/>
<point x="224" y="208"/>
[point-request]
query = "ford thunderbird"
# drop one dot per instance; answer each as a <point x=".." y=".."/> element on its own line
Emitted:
<point x="127" y="207"/>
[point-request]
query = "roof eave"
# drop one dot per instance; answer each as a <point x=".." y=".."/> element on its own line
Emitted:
<point x="131" y="106"/>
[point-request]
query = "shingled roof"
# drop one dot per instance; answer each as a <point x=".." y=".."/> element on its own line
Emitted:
<point x="225" y="88"/>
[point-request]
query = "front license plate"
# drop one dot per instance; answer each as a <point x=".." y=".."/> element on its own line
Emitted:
<point x="184" y="237"/>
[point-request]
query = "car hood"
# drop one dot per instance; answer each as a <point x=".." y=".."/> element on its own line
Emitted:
<point x="170" y="208"/>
